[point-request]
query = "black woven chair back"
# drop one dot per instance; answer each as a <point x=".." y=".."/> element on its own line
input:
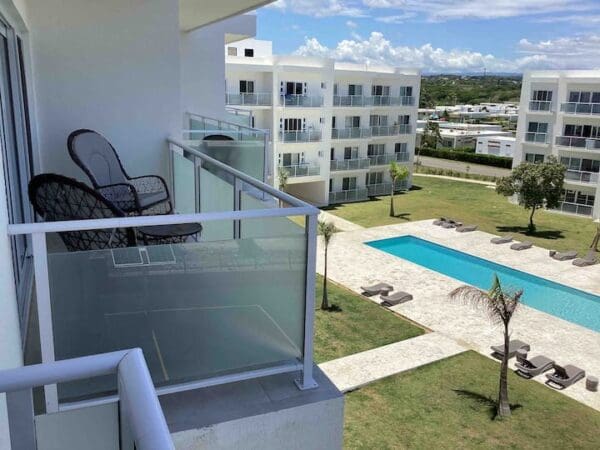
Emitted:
<point x="58" y="198"/>
<point x="97" y="157"/>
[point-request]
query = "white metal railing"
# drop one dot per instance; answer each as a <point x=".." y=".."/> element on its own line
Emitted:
<point x="538" y="138"/>
<point x="578" y="142"/>
<point x="349" y="100"/>
<point x="302" y="170"/>
<point x="249" y="99"/>
<point x="201" y="127"/>
<point x="382" y="160"/>
<point x="350" y="195"/>
<point x="576" y="208"/>
<point x="142" y="424"/>
<point x="580" y="108"/>
<point x="301" y="136"/>
<point x="390" y="130"/>
<point x="539" y="105"/>
<point x="240" y="116"/>
<point x="304" y="101"/>
<point x="349" y="164"/>
<point x="376" y="189"/>
<point x="582" y="176"/>
<point x="350" y="133"/>
<point x="374" y="100"/>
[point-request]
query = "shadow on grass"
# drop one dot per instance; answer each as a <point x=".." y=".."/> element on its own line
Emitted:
<point x="485" y="403"/>
<point x="333" y="308"/>
<point x="548" y="234"/>
<point x="403" y="216"/>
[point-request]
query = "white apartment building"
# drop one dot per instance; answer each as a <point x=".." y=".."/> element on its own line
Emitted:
<point x="560" y="116"/>
<point x="497" y="146"/>
<point x="335" y="127"/>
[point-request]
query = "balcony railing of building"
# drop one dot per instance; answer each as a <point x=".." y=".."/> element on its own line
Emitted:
<point x="539" y="105"/>
<point x="580" y="108"/>
<point x="301" y="101"/>
<point x="582" y="176"/>
<point x="390" y="130"/>
<point x="382" y="160"/>
<point x="240" y="116"/>
<point x="302" y="170"/>
<point x="249" y="99"/>
<point x="141" y="421"/>
<point x="537" y="138"/>
<point x="349" y="164"/>
<point x="301" y="136"/>
<point x="575" y="208"/>
<point x="578" y="142"/>
<point x="350" y="133"/>
<point x="385" y="188"/>
<point x="351" y="195"/>
<point x="187" y="305"/>
<point x="202" y="127"/>
<point x="376" y="100"/>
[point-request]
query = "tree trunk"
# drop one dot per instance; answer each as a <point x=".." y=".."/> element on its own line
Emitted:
<point x="392" y="212"/>
<point x="531" y="225"/>
<point x="503" y="404"/>
<point x="325" y="301"/>
<point x="594" y="245"/>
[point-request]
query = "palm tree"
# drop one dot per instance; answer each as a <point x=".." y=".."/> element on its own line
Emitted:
<point x="398" y="173"/>
<point x="500" y="306"/>
<point x="327" y="230"/>
<point x="596" y="240"/>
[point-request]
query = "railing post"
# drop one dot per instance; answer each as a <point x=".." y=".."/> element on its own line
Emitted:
<point x="197" y="193"/>
<point x="44" y="309"/>
<point x="237" y="205"/>
<point x="307" y="381"/>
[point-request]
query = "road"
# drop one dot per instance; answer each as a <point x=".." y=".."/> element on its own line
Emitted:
<point x="460" y="166"/>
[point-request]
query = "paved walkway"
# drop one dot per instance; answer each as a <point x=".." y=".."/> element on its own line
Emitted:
<point x="444" y="177"/>
<point x="460" y="166"/>
<point x="340" y="224"/>
<point x="352" y="264"/>
<point x="354" y="371"/>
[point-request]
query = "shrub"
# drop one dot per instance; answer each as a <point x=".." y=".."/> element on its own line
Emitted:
<point x="475" y="158"/>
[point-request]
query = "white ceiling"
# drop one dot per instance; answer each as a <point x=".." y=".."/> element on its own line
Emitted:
<point x="197" y="13"/>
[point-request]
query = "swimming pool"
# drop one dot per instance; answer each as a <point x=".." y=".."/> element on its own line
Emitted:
<point x="559" y="300"/>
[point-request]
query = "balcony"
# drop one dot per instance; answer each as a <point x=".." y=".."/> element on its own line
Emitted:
<point x="301" y="101"/>
<point x="350" y="133"/>
<point x="575" y="208"/>
<point x="536" y="138"/>
<point x="351" y="195"/>
<point x="584" y="109"/>
<point x="202" y="128"/>
<point x="300" y="136"/>
<point x="383" y="160"/>
<point x="302" y="170"/>
<point x="390" y="130"/>
<point x="376" y="100"/>
<point x="581" y="176"/>
<point x="378" y="189"/>
<point x="350" y="100"/>
<point x="336" y="165"/>
<point x="540" y="106"/>
<point x="578" y="142"/>
<point x="249" y="99"/>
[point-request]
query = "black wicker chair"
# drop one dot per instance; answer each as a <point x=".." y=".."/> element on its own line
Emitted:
<point x="55" y="198"/>
<point x="95" y="155"/>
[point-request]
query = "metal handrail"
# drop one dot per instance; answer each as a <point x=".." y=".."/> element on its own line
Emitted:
<point x="540" y="105"/>
<point x="138" y="405"/>
<point x="236" y="126"/>
<point x="539" y="138"/>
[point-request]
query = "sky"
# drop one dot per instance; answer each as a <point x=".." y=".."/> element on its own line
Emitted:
<point x="439" y="36"/>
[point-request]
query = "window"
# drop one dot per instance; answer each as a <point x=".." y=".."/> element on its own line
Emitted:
<point x="293" y="88"/>
<point x="534" y="158"/>
<point x="352" y="122"/>
<point x="542" y="96"/>
<point x="350" y="152"/>
<point x="578" y="197"/>
<point x="246" y="87"/>
<point x="335" y="89"/>
<point x="579" y="164"/>
<point x="323" y="85"/>
<point x="378" y="121"/>
<point x="294" y="124"/>
<point x="291" y="159"/>
<point x="333" y="122"/>
<point x="537" y="127"/>
<point x="231" y="51"/>
<point x="378" y="89"/>
<point x="249" y="52"/>
<point x="354" y="89"/>
<point x="587" y="131"/>
<point x="406" y="91"/>
<point x="400" y="147"/>
<point x="330" y="185"/>
<point x="404" y="119"/>
<point x="584" y="97"/>
<point x="375" y="149"/>
<point x="348" y="183"/>
<point x="332" y="154"/>
<point x="374" y="178"/>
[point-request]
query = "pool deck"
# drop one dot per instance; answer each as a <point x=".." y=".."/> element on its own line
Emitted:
<point x="353" y="264"/>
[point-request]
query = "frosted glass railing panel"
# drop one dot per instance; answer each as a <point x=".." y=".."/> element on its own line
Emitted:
<point x="197" y="310"/>
<point x="216" y="195"/>
<point x="265" y="227"/>
<point x="184" y="191"/>
<point x="245" y="156"/>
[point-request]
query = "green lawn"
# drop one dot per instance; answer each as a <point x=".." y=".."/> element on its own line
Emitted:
<point x="422" y="410"/>
<point x="471" y="203"/>
<point x="360" y="325"/>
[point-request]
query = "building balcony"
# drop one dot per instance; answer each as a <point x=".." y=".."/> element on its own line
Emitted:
<point x="390" y="130"/>
<point x="376" y="100"/>
<point x="351" y="195"/>
<point x="350" y="100"/>
<point x="349" y="164"/>
<point x="536" y="138"/>
<point x="383" y="160"/>
<point x="301" y="101"/>
<point x="249" y="99"/>
<point x="578" y="142"/>
<point x="579" y="176"/>
<point x="584" y="109"/>
<point x="540" y="106"/>
<point x="378" y="189"/>
<point x="350" y="133"/>
<point x="302" y="170"/>
<point x="575" y="208"/>
<point x="301" y="136"/>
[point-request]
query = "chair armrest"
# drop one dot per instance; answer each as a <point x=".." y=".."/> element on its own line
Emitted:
<point x="123" y="195"/>
<point x="150" y="184"/>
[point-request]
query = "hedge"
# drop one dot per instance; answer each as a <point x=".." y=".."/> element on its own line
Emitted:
<point x="474" y="158"/>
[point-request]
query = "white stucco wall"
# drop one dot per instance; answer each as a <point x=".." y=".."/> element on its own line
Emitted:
<point x="113" y="66"/>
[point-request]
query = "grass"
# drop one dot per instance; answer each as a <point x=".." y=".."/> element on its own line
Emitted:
<point x="422" y="409"/>
<point x="359" y="325"/>
<point x="472" y="203"/>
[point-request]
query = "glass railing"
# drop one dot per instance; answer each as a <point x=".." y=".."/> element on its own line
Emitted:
<point x="582" y="176"/>
<point x="538" y="105"/>
<point x="580" y="108"/>
<point x="351" y="195"/>
<point x="302" y="170"/>
<point x="538" y="138"/>
<point x="578" y="142"/>
<point x="349" y="164"/>
<point x="375" y="100"/>
<point x="249" y="99"/>
<point x="382" y="160"/>
<point x="575" y="208"/>
<point x="304" y="101"/>
<point x="390" y="130"/>
<point x="301" y="136"/>
<point x="207" y="128"/>
<point x="350" y="133"/>
<point x="349" y="100"/>
<point x="239" y="116"/>
<point x="377" y="189"/>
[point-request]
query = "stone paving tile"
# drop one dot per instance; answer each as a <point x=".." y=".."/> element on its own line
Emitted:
<point x="341" y="224"/>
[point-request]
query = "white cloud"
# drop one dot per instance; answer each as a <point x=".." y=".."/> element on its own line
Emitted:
<point x="395" y="19"/>
<point x="584" y="20"/>
<point x="321" y="8"/>
<point x="579" y="52"/>
<point x="351" y="24"/>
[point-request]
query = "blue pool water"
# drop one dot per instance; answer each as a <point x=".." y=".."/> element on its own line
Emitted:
<point x="567" y="303"/>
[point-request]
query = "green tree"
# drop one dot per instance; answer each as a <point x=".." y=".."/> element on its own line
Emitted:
<point x="500" y="305"/>
<point x="398" y="173"/>
<point x="536" y="185"/>
<point x="445" y="116"/>
<point x="431" y="135"/>
<point x="326" y="230"/>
